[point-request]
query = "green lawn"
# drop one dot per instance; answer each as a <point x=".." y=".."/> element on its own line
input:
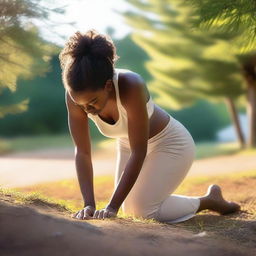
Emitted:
<point x="27" y="143"/>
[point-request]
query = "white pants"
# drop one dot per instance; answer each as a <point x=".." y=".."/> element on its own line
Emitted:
<point x="169" y="157"/>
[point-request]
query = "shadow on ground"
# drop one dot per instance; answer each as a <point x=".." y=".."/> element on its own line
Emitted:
<point x="39" y="229"/>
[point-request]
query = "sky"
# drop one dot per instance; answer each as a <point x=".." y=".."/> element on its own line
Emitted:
<point x="87" y="14"/>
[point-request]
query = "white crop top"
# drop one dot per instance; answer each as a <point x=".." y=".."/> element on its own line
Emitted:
<point x="120" y="128"/>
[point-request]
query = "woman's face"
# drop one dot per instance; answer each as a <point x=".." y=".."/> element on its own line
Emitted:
<point x="92" y="101"/>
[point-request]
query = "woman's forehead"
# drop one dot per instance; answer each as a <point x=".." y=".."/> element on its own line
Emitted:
<point x="84" y="97"/>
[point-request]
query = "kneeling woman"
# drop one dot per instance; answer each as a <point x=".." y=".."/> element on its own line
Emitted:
<point x="155" y="151"/>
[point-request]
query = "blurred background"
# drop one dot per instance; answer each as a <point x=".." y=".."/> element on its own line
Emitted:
<point x="198" y="62"/>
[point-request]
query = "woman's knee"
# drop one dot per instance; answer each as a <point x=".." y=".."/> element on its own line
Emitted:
<point x="140" y="210"/>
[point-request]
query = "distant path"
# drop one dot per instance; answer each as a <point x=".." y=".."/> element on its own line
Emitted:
<point x="28" y="168"/>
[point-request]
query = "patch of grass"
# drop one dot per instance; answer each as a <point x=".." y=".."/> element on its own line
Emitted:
<point x="35" y="198"/>
<point x="69" y="190"/>
<point x="194" y="185"/>
<point x="39" y="199"/>
<point x="5" y="146"/>
<point x="28" y="143"/>
<point x="239" y="187"/>
<point x="210" y="149"/>
<point x="38" y="142"/>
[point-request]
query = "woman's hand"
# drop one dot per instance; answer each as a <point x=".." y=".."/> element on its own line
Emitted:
<point x="107" y="212"/>
<point x="84" y="214"/>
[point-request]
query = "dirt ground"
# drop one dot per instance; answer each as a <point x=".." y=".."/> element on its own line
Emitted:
<point x="43" y="230"/>
<point x="39" y="229"/>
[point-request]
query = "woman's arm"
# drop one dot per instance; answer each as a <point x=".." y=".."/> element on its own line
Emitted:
<point x="79" y="130"/>
<point x="138" y="132"/>
<point x="85" y="178"/>
<point x="127" y="179"/>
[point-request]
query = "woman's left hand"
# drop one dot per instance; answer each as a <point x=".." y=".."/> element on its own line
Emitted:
<point x="107" y="212"/>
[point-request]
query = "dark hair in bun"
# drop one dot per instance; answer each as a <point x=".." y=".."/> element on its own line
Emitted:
<point x="87" y="61"/>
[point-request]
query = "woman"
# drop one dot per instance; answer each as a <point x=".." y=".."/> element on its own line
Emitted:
<point x="155" y="151"/>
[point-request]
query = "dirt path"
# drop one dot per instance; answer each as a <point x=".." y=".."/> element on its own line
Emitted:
<point x="51" y="232"/>
<point x="27" y="168"/>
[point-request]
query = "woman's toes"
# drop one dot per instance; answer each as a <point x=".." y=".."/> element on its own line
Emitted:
<point x="231" y="208"/>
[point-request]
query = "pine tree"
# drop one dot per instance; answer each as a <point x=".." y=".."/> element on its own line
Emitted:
<point x="186" y="65"/>
<point x="237" y="18"/>
<point x="23" y="52"/>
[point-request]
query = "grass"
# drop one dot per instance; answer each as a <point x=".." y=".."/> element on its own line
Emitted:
<point x="38" y="142"/>
<point x="211" y="149"/>
<point x="68" y="192"/>
<point x="5" y="146"/>
<point x="30" y="143"/>
<point x="35" y="198"/>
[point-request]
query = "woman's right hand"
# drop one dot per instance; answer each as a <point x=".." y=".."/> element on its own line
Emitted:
<point x="84" y="214"/>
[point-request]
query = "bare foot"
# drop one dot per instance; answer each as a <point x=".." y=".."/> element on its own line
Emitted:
<point x="218" y="203"/>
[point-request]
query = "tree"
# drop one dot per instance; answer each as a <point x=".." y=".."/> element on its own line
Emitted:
<point x="23" y="52"/>
<point x="234" y="17"/>
<point x="186" y="64"/>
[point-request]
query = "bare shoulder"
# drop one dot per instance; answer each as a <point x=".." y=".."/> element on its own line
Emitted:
<point x="131" y="84"/>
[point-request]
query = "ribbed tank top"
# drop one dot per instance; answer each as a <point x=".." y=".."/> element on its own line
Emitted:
<point x="120" y="128"/>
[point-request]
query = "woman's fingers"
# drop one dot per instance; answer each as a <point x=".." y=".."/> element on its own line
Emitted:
<point x="80" y="215"/>
<point x="101" y="214"/>
<point x="88" y="214"/>
<point x="96" y="214"/>
<point x="85" y="213"/>
<point x="105" y="214"/>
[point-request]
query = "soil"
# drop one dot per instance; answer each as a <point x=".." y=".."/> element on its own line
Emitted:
<point x="39" y="229"/>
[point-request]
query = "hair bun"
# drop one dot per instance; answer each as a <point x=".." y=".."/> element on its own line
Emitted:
<point x="81" y="46"/>
<point x="92" y="44"/>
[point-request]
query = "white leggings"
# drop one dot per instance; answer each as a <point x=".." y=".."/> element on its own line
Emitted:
<point x="169" y="157"/>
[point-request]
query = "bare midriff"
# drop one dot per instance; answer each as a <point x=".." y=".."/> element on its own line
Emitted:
<point x="158" y="121"/>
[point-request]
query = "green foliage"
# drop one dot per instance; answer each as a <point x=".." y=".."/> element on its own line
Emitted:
<point x="46" y="113"/>
<point x="132" y="57"/>
<point x="236" y="17"/>
<point x="185" y="64"/>
<point x="23" y="53"/>
<point x="202" y="119"/>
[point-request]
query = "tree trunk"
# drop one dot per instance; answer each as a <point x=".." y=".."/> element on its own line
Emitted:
<point x="234" y="116"/>
<point x="251" y="111"/>
<point x="249" y="71"/>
